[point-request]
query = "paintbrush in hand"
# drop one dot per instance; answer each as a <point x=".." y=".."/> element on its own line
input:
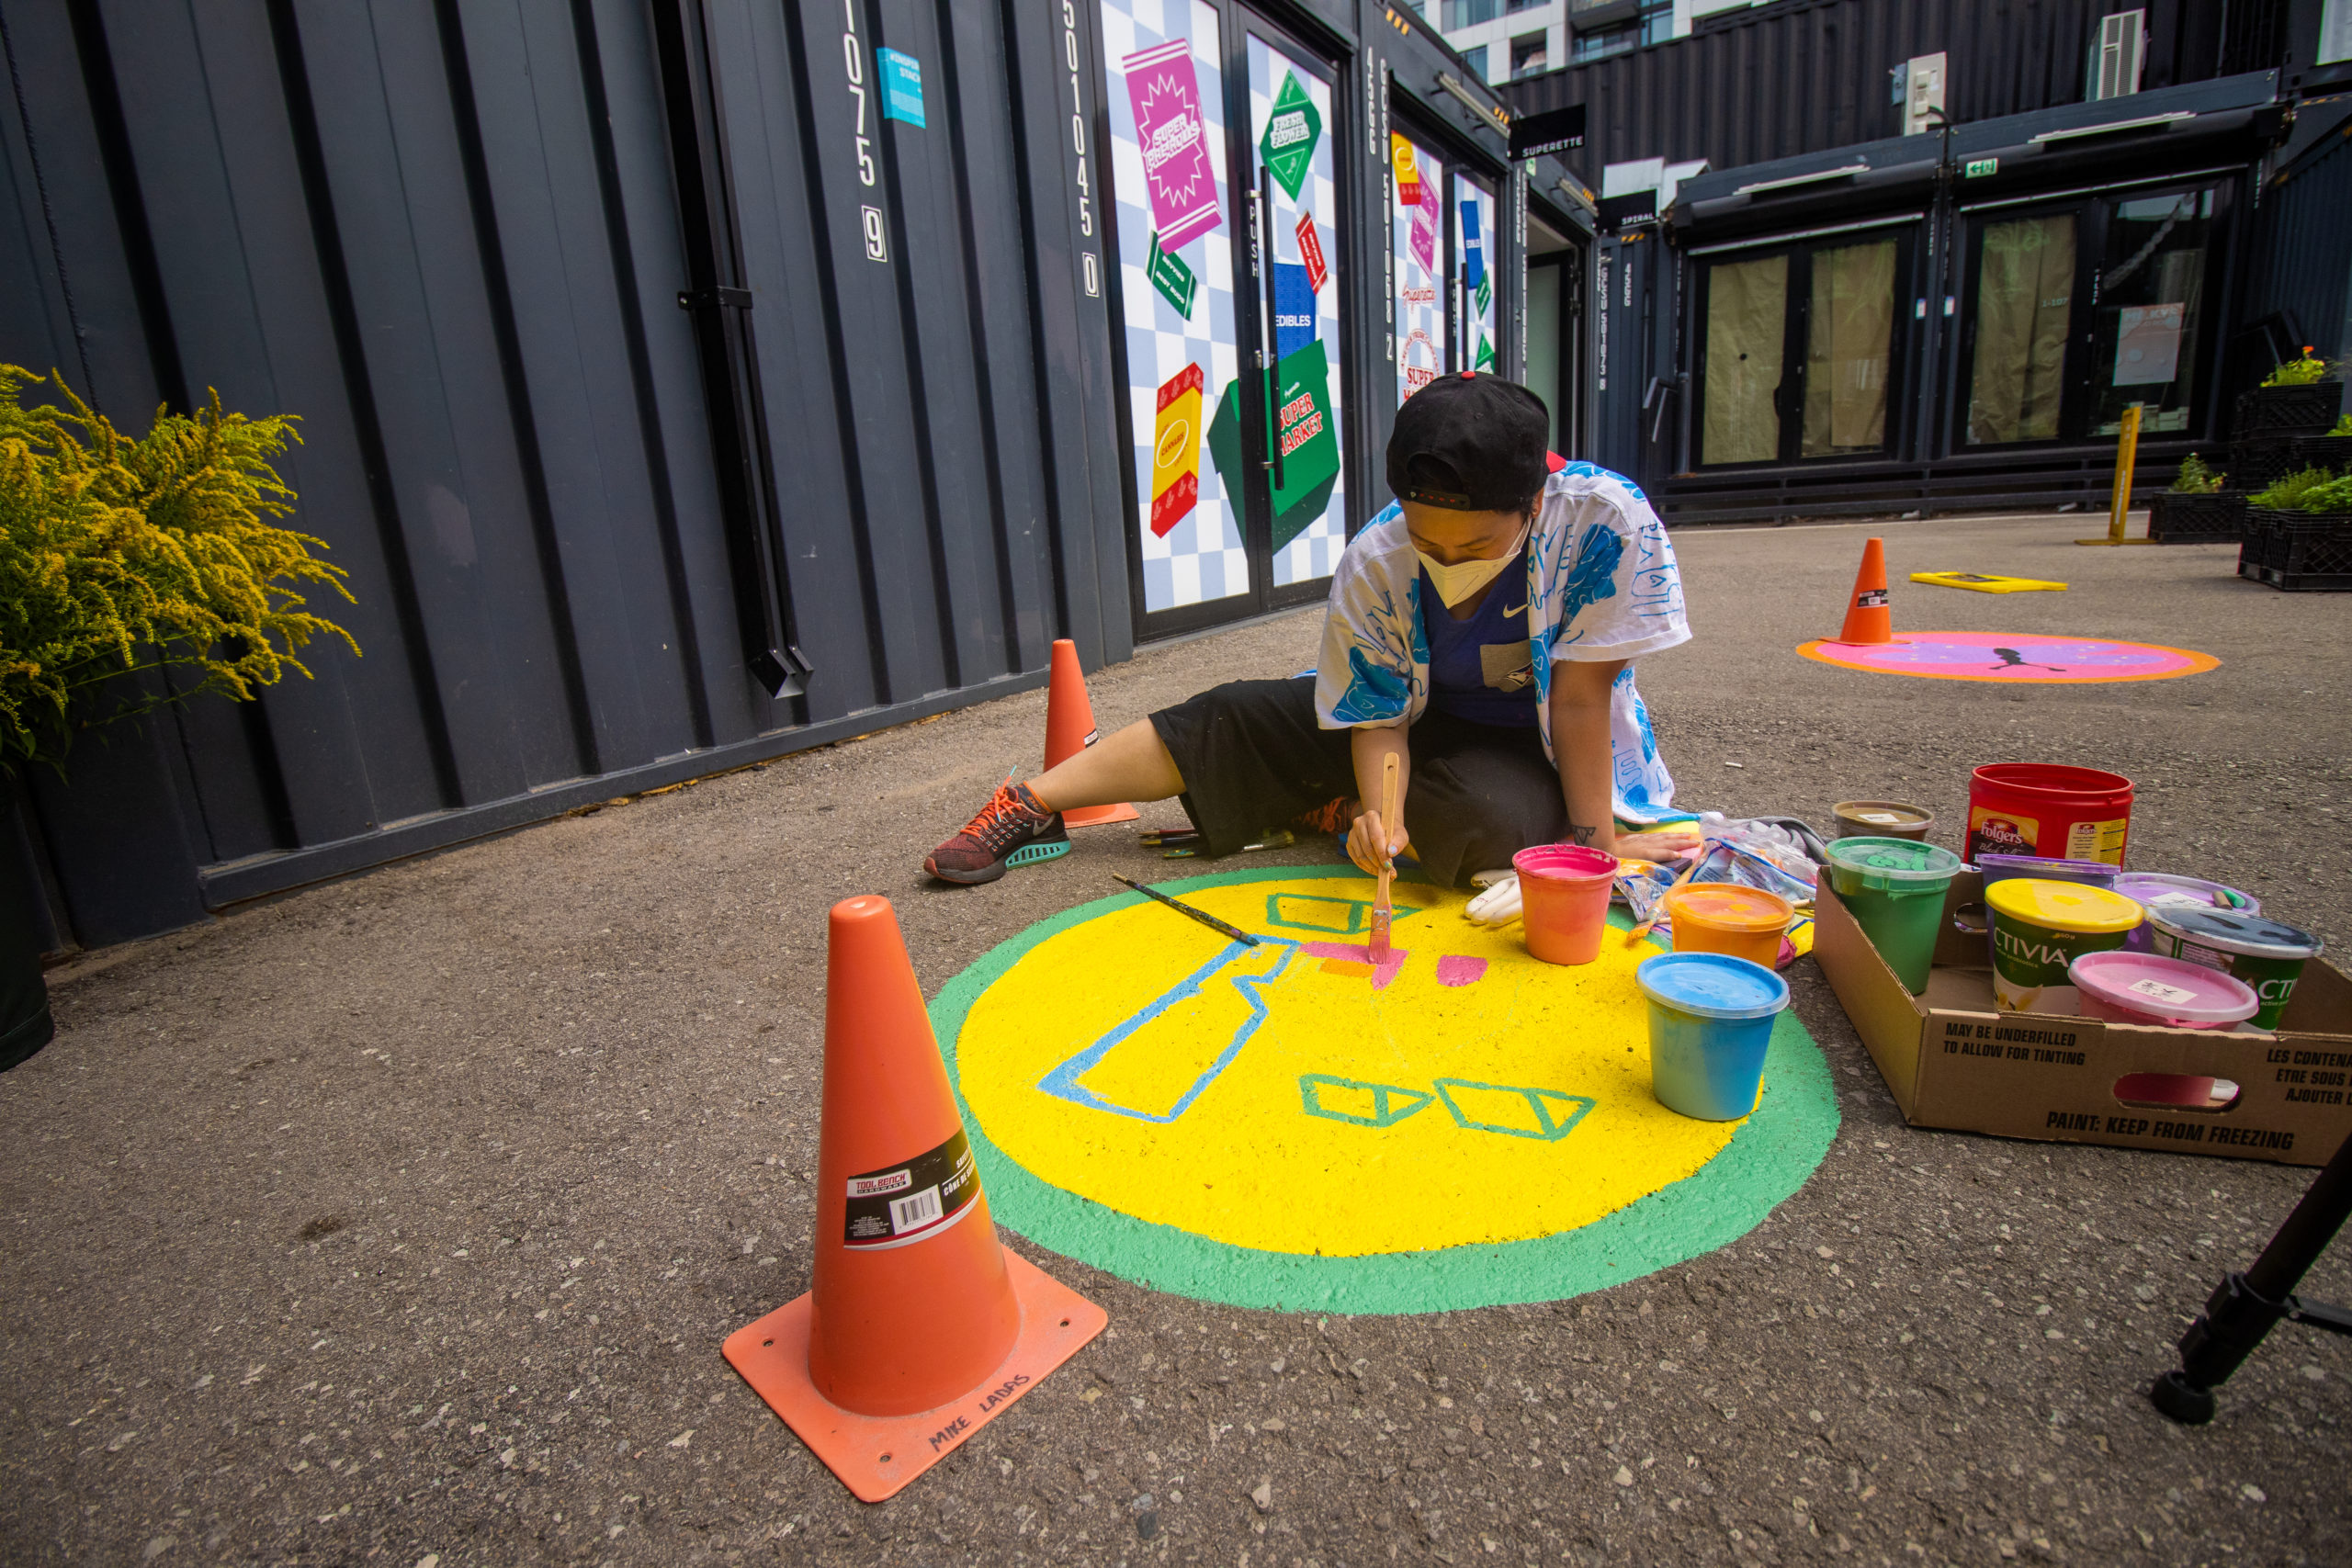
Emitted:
<point x="1381" y="909"/>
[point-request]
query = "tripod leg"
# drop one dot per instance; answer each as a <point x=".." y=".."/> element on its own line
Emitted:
<point x="2247" y="1306"/>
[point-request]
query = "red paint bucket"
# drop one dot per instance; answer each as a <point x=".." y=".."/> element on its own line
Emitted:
<point x="2048" y="809"/>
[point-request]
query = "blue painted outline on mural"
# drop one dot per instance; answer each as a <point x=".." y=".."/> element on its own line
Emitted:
<point x="1062" y="1081"/>
<point x="1551" y="1135"/>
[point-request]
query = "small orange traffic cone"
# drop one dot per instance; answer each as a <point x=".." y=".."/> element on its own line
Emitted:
<point x="922" y="1328"/>
<point x="1868" y="618"/>
<point x="1070" y="730"/>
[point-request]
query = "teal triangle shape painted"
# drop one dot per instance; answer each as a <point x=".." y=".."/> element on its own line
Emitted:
<point x="1387" y="1104"/>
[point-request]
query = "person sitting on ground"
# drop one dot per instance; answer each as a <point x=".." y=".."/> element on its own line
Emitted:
<point x="1481" y="629"/>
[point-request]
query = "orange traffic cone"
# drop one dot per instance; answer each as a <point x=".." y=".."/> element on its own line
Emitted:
<point x="922" y="1328"/>
<point x="1868" y="619"/>
<point x="1070" y="730"/>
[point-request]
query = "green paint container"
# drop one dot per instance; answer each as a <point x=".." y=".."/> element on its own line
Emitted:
<point x="2266" y="954"/>
<point x="1895" y="890"/>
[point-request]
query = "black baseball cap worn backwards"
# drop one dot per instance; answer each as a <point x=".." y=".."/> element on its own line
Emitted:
<point x="1470" y="442"/>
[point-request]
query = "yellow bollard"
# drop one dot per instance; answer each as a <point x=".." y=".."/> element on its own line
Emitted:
<point x="2127" y="452"/>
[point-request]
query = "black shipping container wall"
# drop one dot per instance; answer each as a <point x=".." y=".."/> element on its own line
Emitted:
<point x="639" y="357"/>
<point x="452" y="237"/>
<point x="2299" y="288"/>
<point x="1729" y="92"/>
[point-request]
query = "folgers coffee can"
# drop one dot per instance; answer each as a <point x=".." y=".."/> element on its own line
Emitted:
<point x="2048" y="809"/>
<point x="2266" y="954"/>
<point x="2039" y="929"/>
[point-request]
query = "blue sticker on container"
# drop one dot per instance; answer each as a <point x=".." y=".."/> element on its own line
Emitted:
<point x="1293" y="309"/>
<point x="901" y="85"/>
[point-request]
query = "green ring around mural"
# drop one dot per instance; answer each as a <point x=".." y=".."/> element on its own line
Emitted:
<point x="1768" y="1158"/>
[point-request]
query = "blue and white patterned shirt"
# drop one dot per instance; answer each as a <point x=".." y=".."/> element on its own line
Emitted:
<point x="1601" y="585"/>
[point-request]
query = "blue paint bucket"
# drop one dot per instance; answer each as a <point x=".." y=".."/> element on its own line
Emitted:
<point x="1711" y="1019"/>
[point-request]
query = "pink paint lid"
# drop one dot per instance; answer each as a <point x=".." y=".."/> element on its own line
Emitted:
<point x="2164" y="987"/>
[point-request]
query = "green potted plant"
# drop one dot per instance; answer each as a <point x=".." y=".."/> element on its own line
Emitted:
<point x="2196" y="510"/>
<point x="133" y="574"/>
<point x="2300" y="396"/>
<point x="2299" y="533"/>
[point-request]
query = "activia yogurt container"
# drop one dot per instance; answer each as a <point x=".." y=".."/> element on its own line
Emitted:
<point x="2124" y="987"/>
<point x="2268" y="954"/>
<point x="2158" y="890"/>
<point x="2039" y="929"/>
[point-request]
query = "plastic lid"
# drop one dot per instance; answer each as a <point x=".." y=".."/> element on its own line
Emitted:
<point x="1574" y="862"/>
<point x="2154" y="890"/>
<point x="1711" y="984"/>
<point x="1885" y="813"/>
<point x="2229" y="931"/>
<point x="2063" y="905"/>
<point x="2167" y="987"/>
<point x="1731" y="906"/>
<point x="2039" y="865"/>
<point x="1884" y="860"/>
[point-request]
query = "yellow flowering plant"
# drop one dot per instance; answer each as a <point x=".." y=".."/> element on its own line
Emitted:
<point x="159" y="559"/>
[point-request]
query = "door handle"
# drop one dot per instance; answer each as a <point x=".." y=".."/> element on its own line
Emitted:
<point x="1273" y="340"/>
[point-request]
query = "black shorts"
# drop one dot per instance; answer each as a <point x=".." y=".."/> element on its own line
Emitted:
<point x="1253" y="756"/>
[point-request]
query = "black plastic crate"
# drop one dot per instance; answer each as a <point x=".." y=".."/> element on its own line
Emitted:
<point x="2212" y="518"/>
<point x="2289" y="411"/>
<point x="2297" y="551"/>
<point x="2258" y="464"/>
<point x="2333" y="453"/>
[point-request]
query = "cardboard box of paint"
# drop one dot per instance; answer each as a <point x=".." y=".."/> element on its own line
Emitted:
<point x="1952" y="1061"/>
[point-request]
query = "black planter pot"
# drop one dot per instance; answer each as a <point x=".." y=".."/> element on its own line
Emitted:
<point x="2211" y="519"/>
<point x="25" y="1024"/>
<point x="2290" y="410"/>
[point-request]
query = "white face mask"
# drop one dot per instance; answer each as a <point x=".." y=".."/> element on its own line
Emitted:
<point x="1456" y="583"/>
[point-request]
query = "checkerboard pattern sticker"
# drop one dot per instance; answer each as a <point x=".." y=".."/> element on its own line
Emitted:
<point x="1473" y="232"/>
<point x="1200" y="557"/>
<point x="1421" y="313"/>
<point x="1289" y="107"/>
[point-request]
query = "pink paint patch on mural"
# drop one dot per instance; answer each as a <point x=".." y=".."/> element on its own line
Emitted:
<point x="1383" y="970"/>
<point x="1456" y="969"/>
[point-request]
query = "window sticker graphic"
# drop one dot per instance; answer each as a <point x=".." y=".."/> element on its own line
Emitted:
<point x="1176" y="166"/>
<point x="1176" y="451"/>
<point x="1288" y="147"/>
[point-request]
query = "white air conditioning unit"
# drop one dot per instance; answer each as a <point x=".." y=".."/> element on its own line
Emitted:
<point x="2116" y="59"/>
<point x="1923" y="91"/>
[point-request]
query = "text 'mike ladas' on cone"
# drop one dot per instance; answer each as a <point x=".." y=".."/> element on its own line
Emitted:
<point x="922" y="1327"/>
<point x="1868" y="617"/>
<point x="1070" y="730"/>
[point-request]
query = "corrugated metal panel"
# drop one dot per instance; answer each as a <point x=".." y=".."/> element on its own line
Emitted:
<point x="2301" y="271"/>
<point x="1797" y="78"/>
<point x="448" y="236"/>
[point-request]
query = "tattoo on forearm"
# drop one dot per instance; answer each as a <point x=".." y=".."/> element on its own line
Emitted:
<point x="1581" y="833"/>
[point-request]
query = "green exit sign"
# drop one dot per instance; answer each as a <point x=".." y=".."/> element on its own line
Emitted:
<point x="1978" y="168"/>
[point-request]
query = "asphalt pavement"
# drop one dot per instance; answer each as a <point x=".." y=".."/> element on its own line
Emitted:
<point x="399" y="1221"/>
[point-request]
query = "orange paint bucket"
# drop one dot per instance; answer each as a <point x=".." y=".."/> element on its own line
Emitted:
<point x="1723" y="917"/>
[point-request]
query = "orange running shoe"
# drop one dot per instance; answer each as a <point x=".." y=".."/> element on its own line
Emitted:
<point x="1013" y="828"/>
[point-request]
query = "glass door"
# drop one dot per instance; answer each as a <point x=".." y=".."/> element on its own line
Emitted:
<point x="2076" y="312"/>
<point x="1416" y="243"/>
<point x="1798" y="349"/>
<point x="1224" y="215"/>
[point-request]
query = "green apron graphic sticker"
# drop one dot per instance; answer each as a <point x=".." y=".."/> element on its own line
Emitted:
<point x="1484" y="294"/>
<point x="1311" y="443"/>
<point x="1291" y="131"/>
<point x="1175" y="281"/>
<point x="1486" y="357"/>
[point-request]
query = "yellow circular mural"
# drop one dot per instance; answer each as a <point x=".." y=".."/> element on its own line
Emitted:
<point x="1293" y="1102"/>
